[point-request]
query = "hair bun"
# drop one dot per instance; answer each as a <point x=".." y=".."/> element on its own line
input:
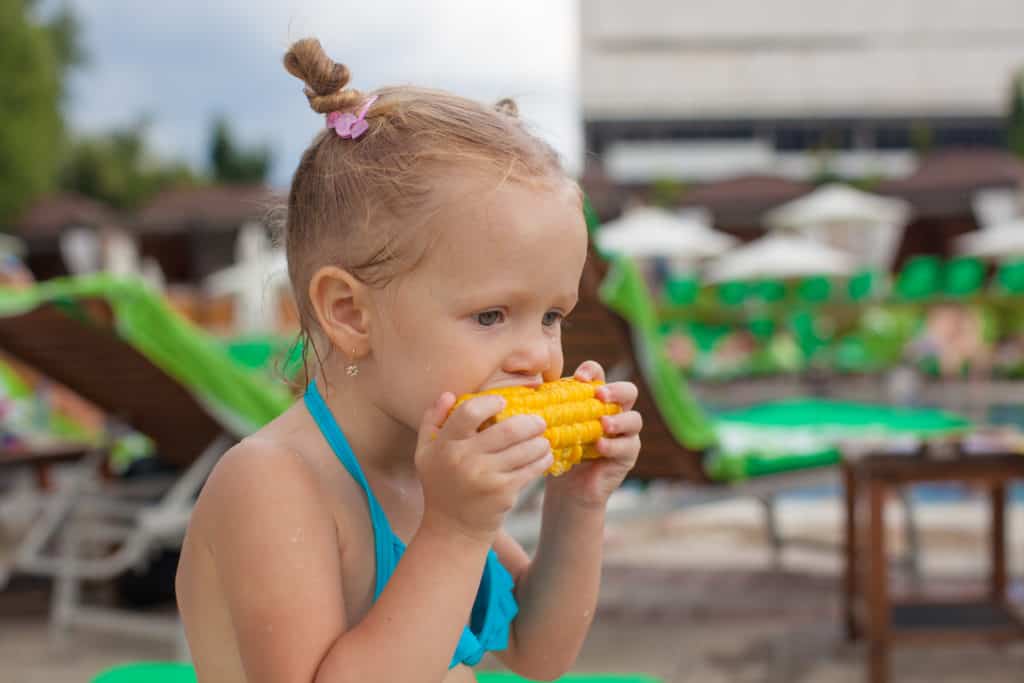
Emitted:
<point x="325" y="79"/>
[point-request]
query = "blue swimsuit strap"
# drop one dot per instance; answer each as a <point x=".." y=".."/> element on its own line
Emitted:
<point x="383" y="536"/>
<point x="495" y="605"/>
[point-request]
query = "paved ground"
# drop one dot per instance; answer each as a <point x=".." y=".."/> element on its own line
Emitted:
<point x="690" y="598"/>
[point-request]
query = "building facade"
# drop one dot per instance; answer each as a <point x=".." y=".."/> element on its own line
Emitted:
<point x="702" y="91"/>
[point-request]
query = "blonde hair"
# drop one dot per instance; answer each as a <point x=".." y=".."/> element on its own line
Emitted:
<point x="354" y="203"/>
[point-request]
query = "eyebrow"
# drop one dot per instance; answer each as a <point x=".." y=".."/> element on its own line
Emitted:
<point x="513" y="296"/>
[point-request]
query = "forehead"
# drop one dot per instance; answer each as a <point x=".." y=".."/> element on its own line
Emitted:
<point x="509" y="233"/>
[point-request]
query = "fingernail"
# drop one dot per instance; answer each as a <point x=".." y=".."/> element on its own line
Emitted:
<point x="541" y="422"/>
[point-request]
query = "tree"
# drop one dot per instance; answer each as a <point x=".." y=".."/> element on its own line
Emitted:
<point x="117" y="168"/>
<point x="35" y="57"/>
<point x="1015" y="116"/>
<point x="230" y="163"/>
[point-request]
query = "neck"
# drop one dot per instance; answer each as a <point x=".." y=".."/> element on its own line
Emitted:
<point x="380" y="442"/>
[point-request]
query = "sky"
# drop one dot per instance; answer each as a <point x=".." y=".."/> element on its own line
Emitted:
<point x="180" y="63"/>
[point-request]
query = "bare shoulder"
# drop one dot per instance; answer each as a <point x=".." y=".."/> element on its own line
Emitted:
<point x="267" y="526"/>
<point x="256" y="482"/>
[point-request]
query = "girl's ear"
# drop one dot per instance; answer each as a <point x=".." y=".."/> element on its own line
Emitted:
<point x="340" y="304"/>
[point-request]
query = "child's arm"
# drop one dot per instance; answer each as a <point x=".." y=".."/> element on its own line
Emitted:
<point x="278" y="548"/>
<point x="557" y="591"/>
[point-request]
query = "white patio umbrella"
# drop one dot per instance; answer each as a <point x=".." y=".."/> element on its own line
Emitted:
<point x="1001" y="241"/>
<point x="997" y="205"/>
<point x="865" y="225"/>
<point x="649" y="231"/>
<point x="780" y="256"/>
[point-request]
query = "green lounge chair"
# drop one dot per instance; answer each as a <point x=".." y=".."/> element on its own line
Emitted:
<point x="118" y="345"/>
<point x="771" y="438"/>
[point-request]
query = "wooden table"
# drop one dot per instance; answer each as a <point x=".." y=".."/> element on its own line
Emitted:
<point x="870" y="611"/>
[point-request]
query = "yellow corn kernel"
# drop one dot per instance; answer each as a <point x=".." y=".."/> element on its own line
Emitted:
<point x="570" y="409"/>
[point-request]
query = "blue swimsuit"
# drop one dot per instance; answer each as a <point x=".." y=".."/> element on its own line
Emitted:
<point x="495" y="605"/>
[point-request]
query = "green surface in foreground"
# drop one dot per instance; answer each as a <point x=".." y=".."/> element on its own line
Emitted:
<point x="160" y="672"/>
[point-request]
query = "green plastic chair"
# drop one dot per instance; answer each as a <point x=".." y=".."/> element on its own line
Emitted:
<point x="863" y="286"/>
<point x="733" y="294"/>
<point x="169" y="672"/>
<point x="769" y="291"/>
<point x="963" y="277"/>
<point x="762" y="328"/>
<point x="1010" y="277"/>
<point x="815" y="290"/>
<point x="920" y="278"/>
<point x="807" y="329"/>
<point x="682" y="291"/>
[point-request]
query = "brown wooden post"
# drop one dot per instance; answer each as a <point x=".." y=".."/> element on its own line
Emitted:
<point x="998" y="542"/>
<point x="878" y="585"/>
<point x="850" y="567"/>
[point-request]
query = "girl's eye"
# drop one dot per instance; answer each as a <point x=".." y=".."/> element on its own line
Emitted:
<point x="489" y="318"/>
<point x="552" y="318"/>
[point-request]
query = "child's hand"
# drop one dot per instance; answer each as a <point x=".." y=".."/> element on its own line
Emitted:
<point x="472" y="479"/>
<point x="593" y="481"/>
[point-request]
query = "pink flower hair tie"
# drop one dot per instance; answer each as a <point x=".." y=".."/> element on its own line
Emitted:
<point x="349" y="125"/>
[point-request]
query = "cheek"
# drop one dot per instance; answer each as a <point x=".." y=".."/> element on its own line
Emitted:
<point x="557" y="360"/>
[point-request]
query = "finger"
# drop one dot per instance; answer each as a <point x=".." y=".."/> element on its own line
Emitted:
<point x="589" y="371"/>
<point x="621" y="393"/>
<point x="622" y="424"/>
<point x="522" y="454"/>
<point x="510" y="432"/>
<point x="621" y="448"/>
<point x="466" y="419"/>
<point x="535" y="469"/>
<point x="434" y="416"/>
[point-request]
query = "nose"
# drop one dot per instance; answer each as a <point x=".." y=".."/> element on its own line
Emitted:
<point x="533" y="355"/>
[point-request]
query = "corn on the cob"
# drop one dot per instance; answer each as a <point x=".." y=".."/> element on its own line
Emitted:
<point x="570" y="409"/>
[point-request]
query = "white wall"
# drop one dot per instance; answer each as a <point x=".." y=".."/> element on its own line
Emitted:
<point x="754" y="58"/>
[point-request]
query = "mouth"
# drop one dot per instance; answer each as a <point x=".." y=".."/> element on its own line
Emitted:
<point x="529" y="384"/>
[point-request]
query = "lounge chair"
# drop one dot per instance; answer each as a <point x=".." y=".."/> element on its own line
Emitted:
<point x="116" y="344"/>
<point x="615" y="323"/>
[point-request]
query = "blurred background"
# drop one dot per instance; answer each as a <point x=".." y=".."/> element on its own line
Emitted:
<point x="807" y="224"/>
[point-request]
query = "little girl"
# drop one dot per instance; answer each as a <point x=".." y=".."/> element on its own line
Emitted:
<point x="434" y="248"/>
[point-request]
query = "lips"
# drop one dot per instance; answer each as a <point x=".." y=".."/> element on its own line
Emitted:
<point x="531" y="384"/>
